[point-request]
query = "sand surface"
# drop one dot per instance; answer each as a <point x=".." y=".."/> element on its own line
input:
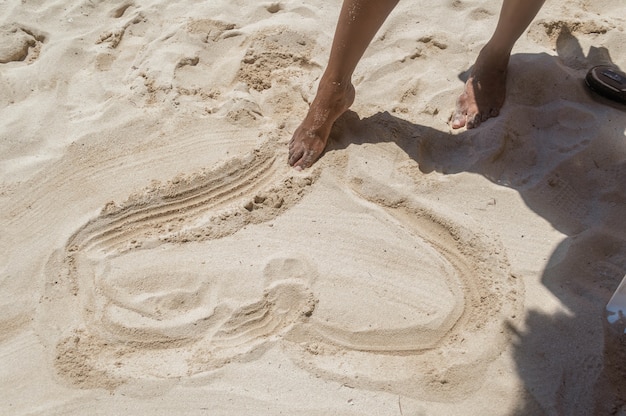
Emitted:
<point x="159" y="257"/>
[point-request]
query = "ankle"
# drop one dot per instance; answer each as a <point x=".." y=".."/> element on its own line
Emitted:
<point x="495" y="54"/>
<point x="335" y="83"/>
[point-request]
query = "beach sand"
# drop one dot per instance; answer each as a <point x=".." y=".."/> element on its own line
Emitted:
<point x="159" y="257"/>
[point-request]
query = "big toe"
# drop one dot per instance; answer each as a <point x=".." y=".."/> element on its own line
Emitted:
<point x="306" y="159"/>
<point x="294" y="156"/>
<point x="458" y="120"/>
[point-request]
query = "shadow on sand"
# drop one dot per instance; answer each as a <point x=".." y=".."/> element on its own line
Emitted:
<point x="566" y="156"/>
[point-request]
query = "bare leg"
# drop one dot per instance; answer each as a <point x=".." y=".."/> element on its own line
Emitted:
<point x="485" y="89"/>
<point x="359" y="21"/>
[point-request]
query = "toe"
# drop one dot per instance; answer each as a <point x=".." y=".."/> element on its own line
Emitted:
<point x="474" y="121"/>
<point x="303" y="162"/>
<point x="294" y="157"/>
<point x="306" y="160"/>
<point x="457" y="120"/>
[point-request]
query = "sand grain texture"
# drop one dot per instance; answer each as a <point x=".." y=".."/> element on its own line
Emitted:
<point x="158" y="256"/>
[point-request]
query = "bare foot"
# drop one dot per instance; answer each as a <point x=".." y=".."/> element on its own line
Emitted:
<point x="309" y="139"/>
<point x="484" y="91"/>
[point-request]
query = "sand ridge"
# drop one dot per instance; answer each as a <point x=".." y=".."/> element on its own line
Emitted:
<point x="158" y="310"/>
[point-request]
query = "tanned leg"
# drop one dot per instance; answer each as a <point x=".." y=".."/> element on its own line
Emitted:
<point x="485" y="89"/>
<point x="359" y="21"/>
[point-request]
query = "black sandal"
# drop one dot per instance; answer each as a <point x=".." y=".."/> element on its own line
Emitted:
<point x="608" y="82"/>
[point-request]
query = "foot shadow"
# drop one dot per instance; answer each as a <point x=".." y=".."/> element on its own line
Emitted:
<point x="562" y="148"/>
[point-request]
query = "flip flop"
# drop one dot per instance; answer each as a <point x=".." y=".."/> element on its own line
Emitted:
<point x="608" y="82"/>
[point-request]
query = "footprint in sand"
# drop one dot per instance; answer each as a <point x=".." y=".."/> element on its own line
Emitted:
<point x="113" y="37"/>
<point x="127" y="17"/>
<point x="212" y="30"/>
<point x="160" y="288"/>
<point x="19" y="43"/>
<point x="188" y="68"/>
<point x="279" y="54"/>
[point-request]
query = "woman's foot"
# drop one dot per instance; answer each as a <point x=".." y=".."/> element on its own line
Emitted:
<point x="484" y="91"/>
<point x="309" y="139"/>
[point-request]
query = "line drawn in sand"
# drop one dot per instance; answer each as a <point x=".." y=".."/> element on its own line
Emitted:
<point x="151" y="293"/>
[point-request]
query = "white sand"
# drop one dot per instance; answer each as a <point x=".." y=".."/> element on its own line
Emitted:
<point x="159" y="257"/>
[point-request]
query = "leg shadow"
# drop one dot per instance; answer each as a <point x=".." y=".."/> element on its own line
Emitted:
<point x="561" y="148"/>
